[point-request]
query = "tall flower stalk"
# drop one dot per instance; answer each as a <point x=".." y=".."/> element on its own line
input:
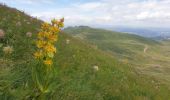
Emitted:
<point x="43" y="72"/>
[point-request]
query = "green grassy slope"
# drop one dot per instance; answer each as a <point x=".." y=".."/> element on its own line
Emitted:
<point x="148" y="56"/>
<point x="76" y="79"/>
<point x="121" y="44"/>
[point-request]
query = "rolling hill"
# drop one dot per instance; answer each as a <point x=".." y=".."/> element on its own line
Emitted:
<point x="122" y="45"/>
<point x="76" y="78"/>
<point x="148" y="56"/>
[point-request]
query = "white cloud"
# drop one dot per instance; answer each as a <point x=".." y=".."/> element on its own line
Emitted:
<point x="90" y="6"/>
<point x="113" y="12"/>
<point x="143" y="15"/>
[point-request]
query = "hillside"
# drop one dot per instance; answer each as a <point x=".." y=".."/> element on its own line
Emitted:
<point x="122" y="45"/>
<point x="148" y="56"/>
<point x="76" y="77"/>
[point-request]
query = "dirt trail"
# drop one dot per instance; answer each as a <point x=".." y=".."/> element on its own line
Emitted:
<point x="145" y="49"/>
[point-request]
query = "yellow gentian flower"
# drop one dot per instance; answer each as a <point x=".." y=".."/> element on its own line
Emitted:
<point x="48" y="62"/>
<point x="54" y="29"/>
<point x="45" y="26"/>
<point x="54" y="21"/>
<point x="50" y="48"/>
<point x="40" y="43"/>
<point x="40" y="35"/>
<point x="53" y="38"/>
<point x="38" y="54"/>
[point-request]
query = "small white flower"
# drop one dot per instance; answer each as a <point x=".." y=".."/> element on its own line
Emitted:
<point x="67" y="41"/>
<point x="29" y="34"/>
<point x="8" y="50"/>
<point x="28" y="22"/>
<point x="96" y="68"/>
<point x="18" y="24"/>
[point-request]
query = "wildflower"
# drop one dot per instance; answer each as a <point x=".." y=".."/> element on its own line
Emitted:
<point x="41" y="35"/>
<point x="2" y="34"/>
<point x="28" y="22"/>
<point x="45" y="26"/>
<point x="96" y="68"/>
<point x="29" y="34"/>
<point x="46" y="38"/>
<point x="45" y="43"/>
<point x="67" y="41"/>
<point x="18" y="24"/>
<point x="8" y="50"/>
<point x="52" y="38"/>
<point x="54" y="29"/>
<point x="48" y="62"/>
<point x="50" y="48"/>
<point x="61" y="24"/>
<point x="38" y="54"/>
<point x="54" y="21"/>
<point x="40" y="43"/>
<point x="62" y="20"/>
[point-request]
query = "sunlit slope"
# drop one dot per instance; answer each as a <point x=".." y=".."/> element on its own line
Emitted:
<point x="76" y="77"/>
<point x="122" y="44"/>
<point x="146" y="55"/>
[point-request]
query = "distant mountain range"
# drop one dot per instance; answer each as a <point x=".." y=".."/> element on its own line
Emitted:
<point x="155" y="33"/>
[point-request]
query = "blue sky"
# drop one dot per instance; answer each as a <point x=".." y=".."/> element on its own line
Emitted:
<point x="99" y="13"/>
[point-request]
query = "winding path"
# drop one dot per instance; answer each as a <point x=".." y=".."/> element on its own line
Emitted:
<point x="145" y="49"/>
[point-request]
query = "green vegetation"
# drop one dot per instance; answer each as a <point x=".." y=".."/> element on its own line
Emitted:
<point x="148" y="56"/>
<point x="121" y="44"/>
<point x="76" y="78"/>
